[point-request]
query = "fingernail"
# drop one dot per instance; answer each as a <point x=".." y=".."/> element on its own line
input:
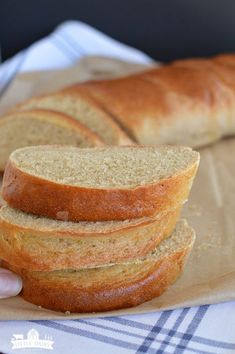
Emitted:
<point x="10" y="283"/>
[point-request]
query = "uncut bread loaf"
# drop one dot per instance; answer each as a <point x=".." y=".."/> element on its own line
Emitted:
<point x="38" y="127"/>
<point x="110" y="287"/>
<point x="38" y="243"/>
<point x="83" y="109"/>
<point x="99" y="184"/>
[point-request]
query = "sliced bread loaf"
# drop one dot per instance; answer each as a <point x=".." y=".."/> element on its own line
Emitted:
<point x="38" y="243"/>
<point x="187" y="102"/>
<point x="111" y="183"/>
<point x="39" y="126"/>
<point x="110" y="287"/>
<point x="84" y="109"/>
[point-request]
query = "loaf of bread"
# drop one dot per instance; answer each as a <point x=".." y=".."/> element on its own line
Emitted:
<point x="187" y="102"/>
<point x="110" y="287"/>
<point x="38" y="127"/>
<point x="99" y="184"/>
<point x="43" y="244"/>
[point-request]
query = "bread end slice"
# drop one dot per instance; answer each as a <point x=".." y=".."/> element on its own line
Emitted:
<point x="41" y="126"/>
<point x="85" y="110"/>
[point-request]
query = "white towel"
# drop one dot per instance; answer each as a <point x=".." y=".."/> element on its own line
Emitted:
<point x="62" y="48"/>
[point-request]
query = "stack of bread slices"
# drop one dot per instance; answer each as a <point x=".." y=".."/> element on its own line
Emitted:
<point x="96" y="229"/>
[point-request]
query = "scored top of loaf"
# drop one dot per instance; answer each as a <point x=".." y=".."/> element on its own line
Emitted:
<point x="106" y="167"/>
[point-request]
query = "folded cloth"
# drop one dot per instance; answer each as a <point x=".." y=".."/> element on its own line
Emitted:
<point x="196" y="330"/>
<point x="69" y="42"/>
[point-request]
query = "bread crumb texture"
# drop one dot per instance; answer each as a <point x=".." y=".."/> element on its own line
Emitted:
<point x="115" y="167"/>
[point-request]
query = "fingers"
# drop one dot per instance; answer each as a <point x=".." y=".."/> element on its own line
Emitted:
<point x="10" y="283"/>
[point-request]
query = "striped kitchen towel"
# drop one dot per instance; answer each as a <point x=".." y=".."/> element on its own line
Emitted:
<point x="204" y="329"/>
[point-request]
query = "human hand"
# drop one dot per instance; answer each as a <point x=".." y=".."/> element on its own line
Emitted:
<point x="10" y="283"/>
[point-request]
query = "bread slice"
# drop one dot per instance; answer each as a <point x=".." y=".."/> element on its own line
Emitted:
<point x="38" y="243"/>
<point x="37" y="127"/>
<point x="110" y="287"/>
<point x="84" y="109"/>
<point x="99" y="184"/>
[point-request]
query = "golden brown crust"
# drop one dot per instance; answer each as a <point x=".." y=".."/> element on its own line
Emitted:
<point x="124" y="138"/>
<point x="187" y="102"/>
<point x="46" y="198"/>
<point x="220" y="68"/>
<point x="134" y="103"/>
<point x="48" y="249"/>
<point x="88" y="92"/>
<point x="66" y="296"/>
<point x="225" y="59"/>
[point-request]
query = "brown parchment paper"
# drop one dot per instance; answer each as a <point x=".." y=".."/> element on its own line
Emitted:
<point x="209" y="276"/>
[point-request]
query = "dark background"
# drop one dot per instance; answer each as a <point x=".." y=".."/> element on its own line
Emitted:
<point x="165" y="29"/>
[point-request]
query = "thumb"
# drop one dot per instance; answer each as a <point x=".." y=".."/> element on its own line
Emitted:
<point x="10" y="283"/>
